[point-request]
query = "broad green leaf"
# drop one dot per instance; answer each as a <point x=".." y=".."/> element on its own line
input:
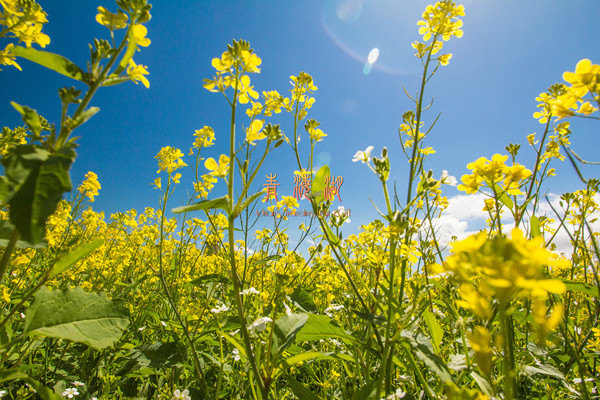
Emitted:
<point x="221" y="202"/>
<point x="285" y="329"/>
<point x="30" y="117"/>
<point x="3" y="188"/>
<point x="76" y="315"/>
<point x="159" y="355"/>
<point x="586" y="288"/>
<point x="543" y="370"/>
<point x="534" y="222"/>
<point x="301" y="299"/>
<point x="6" y="230"/>
<point x="11" y="374"/>
<point x="300" y="390"/>
<point x="435" y="329"/>
<point x="421" y="346"/>
<point x="67" y="261"/>
<point x="51" y="61"/>
<point x="317" y="188"/>
<point x="37" y="180"/>
<point x="483" y="384"/>
<point x="319" y="327"/>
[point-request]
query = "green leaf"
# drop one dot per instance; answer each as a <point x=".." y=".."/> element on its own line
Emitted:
<point x="504" y="198"/>
<point x="37" y="180"/>
<point x="3" y="188"/>
<point x="543" y="370"/>
<point x="265" y="260"/>
<point x="421" y="346"/>
<point x="51" y="61"/>
<point x="67" y="261"/>
<point x="585" y="288"/>
<point x="30" y="117"/>
<point x="83" y="117"/>
<point x="333" y="238"/>
<point x="483" y="384"/>
<point x="319" y="327"/>
<point x="534" y="223"/>
<point x="221" y="202"/>
<point x="317" y="189"/>
<point x="435" y="329"/>
<point x="301" y="299"/>
<point x="115" y="79"/>
<point x="6" y="230"/>
<point x="76" y="315"/>
<point x="210" y="278"/>
<point x="286" y="328"/>
<point x="248" y="201"/>
<point x="159" y="355"/>
<point x="300" y="390"/>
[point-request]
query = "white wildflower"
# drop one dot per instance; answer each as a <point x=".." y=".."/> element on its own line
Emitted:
<point x="179" y="395"/>
<point x="259" y="325"/>
<point x="363" y="156"/>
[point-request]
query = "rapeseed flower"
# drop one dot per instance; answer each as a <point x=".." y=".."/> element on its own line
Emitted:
<point x="90" y="186"/>
<point x="110" y="20"/>
<point x="169" y="159"/>
<point x="220" y="169"/>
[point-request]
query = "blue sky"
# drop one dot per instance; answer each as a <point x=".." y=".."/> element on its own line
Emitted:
<point x="511" y="51"/>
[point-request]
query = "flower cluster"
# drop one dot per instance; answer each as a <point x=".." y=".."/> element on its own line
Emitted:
<point x="494" y="172"/>
<point x="231" y="70"/>
<point x="562" y="101"/>
<point x="90" y="186"/>
<point x="440" y="21"/>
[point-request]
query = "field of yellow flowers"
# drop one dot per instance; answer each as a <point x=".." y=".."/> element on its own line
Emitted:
<point x="146" y="305"/>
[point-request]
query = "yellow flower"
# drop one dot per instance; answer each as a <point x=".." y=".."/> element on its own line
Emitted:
<point x="204" y="137"/>
<point x="110" y="20"/>
<point x="254" y="132"/>
<point x="251" y="61"/>
<point x="139" y="34"/>
<point x="221" y="169"/>
<point x="7" y="58"/>
<point x="584" y="76"/>
<point x="224" y="64"/>
<point x="445" y="59"/>
<point x="245" y="91"/>
<point x="169" y="159"/>
<point x="137" y="72"/>
<point x="90" y="186"/>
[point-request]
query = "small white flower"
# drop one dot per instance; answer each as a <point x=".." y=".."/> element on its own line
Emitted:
<point x="248" y="291"/>
<point x="334" y="307"/>
<point x="22" y="315"/>
<point x="259" y="325"/>
<point x="236" y="355"/>
<point x="77" y="383"/>
<point x="141" y="328"/>
<point x="3" y="393"/>
<point x="396" y="395"/>
<point x="179" y="395"/>
<point x="70" y="393"/>
<point x="219" y="309"/>
<point x="163" y="323"/>
<point x="448" y="179"/>
<point x="363" y="156"/>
